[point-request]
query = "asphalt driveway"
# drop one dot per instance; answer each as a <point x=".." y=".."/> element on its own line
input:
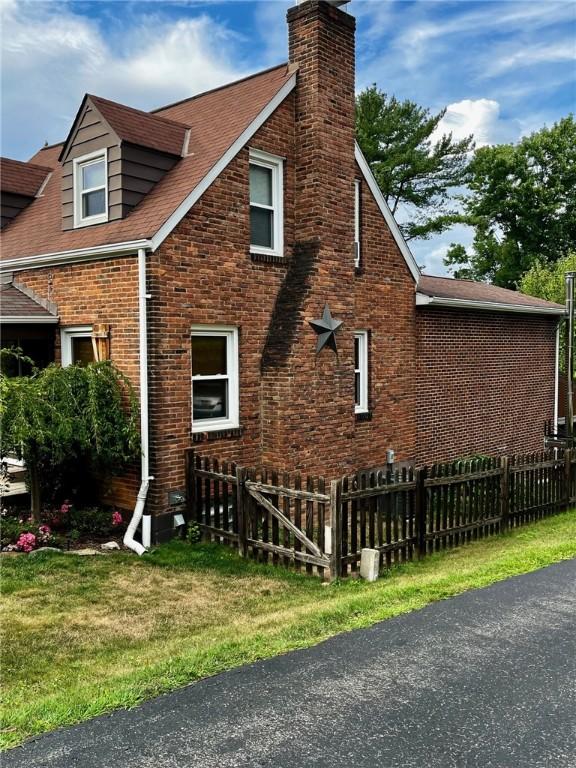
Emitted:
<point x="485" y="679"/>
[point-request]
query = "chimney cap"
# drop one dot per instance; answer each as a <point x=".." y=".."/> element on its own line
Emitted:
<point x="335" y="3"/>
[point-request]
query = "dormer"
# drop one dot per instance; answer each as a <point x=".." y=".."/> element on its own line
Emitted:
<point x="112" y="158"/>
<point x="20" y="183"/>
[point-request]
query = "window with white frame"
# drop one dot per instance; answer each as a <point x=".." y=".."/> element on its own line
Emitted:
<point x="214" y="378"/>
<point x="266" y="203"/>
<point x="361" y="371"/>
<point x="357" y="222"/>
<point x="91" y="189"/>
<point x="76" y="345"/>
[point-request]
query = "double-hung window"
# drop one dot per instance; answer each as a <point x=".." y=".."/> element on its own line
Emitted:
<point x="361" y="371"/>
<point x="214" y="378"/>
<point x="357" y="223"/>
<point x="91" y="189"/>
<point x="266" y="204"/>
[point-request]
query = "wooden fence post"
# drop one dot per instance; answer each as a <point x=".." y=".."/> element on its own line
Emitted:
<point x="420" y="510"/>
<point x="190" y="485"/>
<point x="336" y="529"/>
<point x="505" y="494"/>
<point x="242" y="510"/>
<point x="567" y="477"/>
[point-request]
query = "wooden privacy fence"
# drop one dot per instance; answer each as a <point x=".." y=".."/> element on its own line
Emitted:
<point x="305" y="522"/>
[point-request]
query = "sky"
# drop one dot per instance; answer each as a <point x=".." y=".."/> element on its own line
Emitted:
<point x="502" y="69"/>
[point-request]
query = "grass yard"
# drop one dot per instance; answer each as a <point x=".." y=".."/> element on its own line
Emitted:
<point x="84" y="635"/>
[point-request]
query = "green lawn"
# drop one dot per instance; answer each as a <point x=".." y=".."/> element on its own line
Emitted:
<point x="83" y="636"/>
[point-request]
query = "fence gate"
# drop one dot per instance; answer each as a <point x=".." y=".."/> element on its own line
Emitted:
<point x="270" y="517"/>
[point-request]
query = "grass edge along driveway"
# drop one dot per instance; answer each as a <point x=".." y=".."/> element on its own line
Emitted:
<point x="84" y="636"/>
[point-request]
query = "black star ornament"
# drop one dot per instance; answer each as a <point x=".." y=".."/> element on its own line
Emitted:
<point x="326" y="329"/>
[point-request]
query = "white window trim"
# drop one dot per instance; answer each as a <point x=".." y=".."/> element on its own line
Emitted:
<point x="66" y="336"/>
<point x="77" y="163"/>
<point x="276" y="164"/>
<point x="232" y="420"/>
<point x="357" y="187"/>
<point x="362" y="407"/>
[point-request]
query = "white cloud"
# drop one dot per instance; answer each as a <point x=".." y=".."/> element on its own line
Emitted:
<point x="529" y="56"/>
<point x="479" y="117"/>
<point x="52" y="56"/>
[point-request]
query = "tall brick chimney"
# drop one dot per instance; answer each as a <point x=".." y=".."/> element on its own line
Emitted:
<point x="308" y="399"/>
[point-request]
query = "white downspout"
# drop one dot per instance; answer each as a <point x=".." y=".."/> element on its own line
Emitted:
<point x="557" y="375"/>
<point x="138" y="514"/>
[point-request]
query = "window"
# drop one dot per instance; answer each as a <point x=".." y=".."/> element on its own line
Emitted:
<point x="77" y="346"/>
<point x="361" y="371"/>
<point x="90" y="189"/>
<point x="266" y="204"/>
<point x="214" y="378"/>
<point x="357" y="223"/>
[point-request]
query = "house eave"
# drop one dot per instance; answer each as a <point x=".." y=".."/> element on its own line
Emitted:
<point x="424" y="300"/>
<point x="94" y="253"/>
<point x="28" y="320"/>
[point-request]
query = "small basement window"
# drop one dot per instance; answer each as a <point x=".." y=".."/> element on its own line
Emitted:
<point x="214" y="378"/>
<point x="90" y="189"/>
<point x="361" y="371"/>
<point x="266" y="204"/>
<point x="77" y="346"/>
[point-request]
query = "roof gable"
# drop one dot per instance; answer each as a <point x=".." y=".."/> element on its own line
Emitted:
<point x="220" y="123"/>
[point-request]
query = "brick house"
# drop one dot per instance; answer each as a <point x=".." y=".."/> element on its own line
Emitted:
<point x="194" y="244"/>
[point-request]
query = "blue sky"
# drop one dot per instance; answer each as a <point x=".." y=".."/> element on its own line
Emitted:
<point x="504" y="69"/>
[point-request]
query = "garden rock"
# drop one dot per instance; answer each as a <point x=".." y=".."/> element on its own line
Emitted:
<point x="110" y="545"/>
<point x="86" y="551"/>
<point x="44" y="549"/>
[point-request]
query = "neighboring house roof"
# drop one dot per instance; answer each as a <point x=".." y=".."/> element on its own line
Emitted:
<point x="18" y="305"/>
<point x="22" y="178"/>
<point x="137" y="127"/>
<point x="220" y="122"/>
<point x="449" y="292"/>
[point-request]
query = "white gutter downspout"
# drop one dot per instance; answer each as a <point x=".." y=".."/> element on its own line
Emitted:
<point x="138" y="514"/>
<point x="557" y="375"/>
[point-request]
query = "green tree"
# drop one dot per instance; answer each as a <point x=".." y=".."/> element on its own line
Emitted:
<point x="61" y="415"/>
<point x="548" y="281"/>
<point x="411" y="167"/>
<point x="522" y="205"/>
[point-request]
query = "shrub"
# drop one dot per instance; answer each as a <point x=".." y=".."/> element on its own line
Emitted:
<point x="95" y="521"/>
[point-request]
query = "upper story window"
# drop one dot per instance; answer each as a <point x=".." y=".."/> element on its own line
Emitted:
<point x="357" y="222"/>
<point x="90" y="189"/>
<point x="214" y="378"/>
<point x="266" y="204"/>
<point x="361" y="371"/>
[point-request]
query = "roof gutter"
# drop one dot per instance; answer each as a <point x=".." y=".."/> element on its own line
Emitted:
<point x="138" y="514"/>
<point x="68" y="257"/>
<point x="29" y="320"/>
<point x="423" y="300"/>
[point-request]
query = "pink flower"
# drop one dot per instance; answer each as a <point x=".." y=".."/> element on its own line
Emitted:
<point x="65" y="508"/>
<point x="26" y="542"/>
<point x="117" y="518"/>
<point x="45" y="529"/>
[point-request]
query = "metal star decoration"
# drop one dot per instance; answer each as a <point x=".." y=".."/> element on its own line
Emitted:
<point x="326" y="329"/>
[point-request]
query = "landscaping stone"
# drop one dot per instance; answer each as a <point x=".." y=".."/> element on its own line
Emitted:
<point x="87" y="551"/>
<point x="45" y="549"/>
<point x="110" y="545"/>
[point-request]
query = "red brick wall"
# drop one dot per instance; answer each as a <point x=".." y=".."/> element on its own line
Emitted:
<point x="384" y="305"/>
<point x="98" y="292"/>
<point x="485" y="382"/>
